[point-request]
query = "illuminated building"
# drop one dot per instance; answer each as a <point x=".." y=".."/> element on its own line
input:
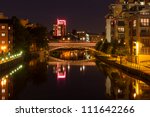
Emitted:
<point x="96" y="37"/>
<point x="129" y="23"/>
<point x="61" y="72"/>
<point x="59" y="29"/>
<point x="6" y="34"/>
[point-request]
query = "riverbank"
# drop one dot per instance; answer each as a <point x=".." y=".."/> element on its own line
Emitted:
<point x="140" y="71"/>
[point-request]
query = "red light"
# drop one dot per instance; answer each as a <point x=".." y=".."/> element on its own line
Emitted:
<point x="61" y="74"/>
<point x="61" y="22"/>
<point x="61" y="71"/>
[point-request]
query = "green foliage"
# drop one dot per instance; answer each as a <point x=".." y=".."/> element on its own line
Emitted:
<point x="112" y="48"/>
<point x="121" y="51"/>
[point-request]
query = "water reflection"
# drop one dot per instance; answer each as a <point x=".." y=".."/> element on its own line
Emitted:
<point x="71" y="80"/>
<point x="6" y="84"/>
<point x="122" y="86"/>
<point x="72" y="54"/>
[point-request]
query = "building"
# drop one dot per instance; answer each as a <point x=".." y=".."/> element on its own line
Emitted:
<point x="59" y="28"/>
<point x="96" y="37"/>
<point x="128" y="23"/>
<point x="6" y="34"/>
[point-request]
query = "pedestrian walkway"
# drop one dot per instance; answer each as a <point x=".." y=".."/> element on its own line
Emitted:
<point x="135" y="66"/>
<point x="141" y="67"/>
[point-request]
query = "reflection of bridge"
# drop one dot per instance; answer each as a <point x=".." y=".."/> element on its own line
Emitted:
<point x="72" y="63"/>
<point x="55" y="61"/>
<point x="57" y="45"/>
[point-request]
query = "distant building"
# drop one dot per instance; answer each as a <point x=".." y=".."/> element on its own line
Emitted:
<point x="6" y="34"/>
<point x="96" y="37"/>
<point x="59" y="29"/>
<point x="87" y="37"/>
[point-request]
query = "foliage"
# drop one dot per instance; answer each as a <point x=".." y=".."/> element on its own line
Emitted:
<point x="24" y="37"/>
<point x="38" y="35"/>
<point x="21" y="35"/>
<point x="112" y="48"/>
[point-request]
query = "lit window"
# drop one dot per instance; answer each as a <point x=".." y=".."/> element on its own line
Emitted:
<point x="3" y="42"/>
<point x="144" y="13"/>
<point x="121" y="29"/>
<point x="9" y="42"/>
<point x="3" y="34"/>
<point x="145" y="22"/>
<point x="3" y="27"/>
<point x="3" y="90"/>
<point x="3" y="97"/>
<point x="134" y="23"/>
<point x="9" y="28"/>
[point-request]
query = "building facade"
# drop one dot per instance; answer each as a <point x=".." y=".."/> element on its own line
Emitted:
<point x="59" y="28"/>
<point x="128" y="23"/>
<point x="6" y="34"/>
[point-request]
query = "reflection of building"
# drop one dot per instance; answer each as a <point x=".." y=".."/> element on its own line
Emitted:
<point x="59" y="29"/>
<point x="6" y="34"/>
<point x="108" y="86"/>
<point x="5" y="88"/>
<point x="128" y="23"/>
<point x="61" y="71"/>
<point x="6" y="84"/>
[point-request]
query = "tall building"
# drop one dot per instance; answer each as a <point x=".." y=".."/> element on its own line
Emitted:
<point x="6" y="34"/>
<point x="129" y="23"/>
<point x="59" y="29"/>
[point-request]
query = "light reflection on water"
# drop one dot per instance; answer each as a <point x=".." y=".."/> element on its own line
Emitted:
<point x="62" y="80"/>
<point x="6" y="84"/>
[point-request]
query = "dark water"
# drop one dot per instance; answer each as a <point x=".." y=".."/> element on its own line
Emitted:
<point x="45" y="80"/>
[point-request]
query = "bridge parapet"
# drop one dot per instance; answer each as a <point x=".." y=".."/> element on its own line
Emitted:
<point x="71" y="45"/>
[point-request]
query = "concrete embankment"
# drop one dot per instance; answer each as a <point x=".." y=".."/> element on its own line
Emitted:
<point x="138" y="73"/>
<point x="6" y="66"/>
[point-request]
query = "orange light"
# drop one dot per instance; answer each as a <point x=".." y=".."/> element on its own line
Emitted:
<point x="3" y="47"/>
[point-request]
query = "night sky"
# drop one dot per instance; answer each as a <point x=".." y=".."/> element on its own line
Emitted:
<point x="80" y="14"/>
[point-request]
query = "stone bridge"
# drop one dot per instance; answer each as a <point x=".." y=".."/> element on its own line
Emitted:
<point x="58" y="45"/>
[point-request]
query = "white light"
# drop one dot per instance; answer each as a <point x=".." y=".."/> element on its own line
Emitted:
<point x="68" y="67"/>
<point x="142" y="3"/>
<point x="83" y="67"/>
<point x="3" y="90"/>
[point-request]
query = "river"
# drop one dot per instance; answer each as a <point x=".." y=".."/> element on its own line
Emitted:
<point x="41" y="79"/>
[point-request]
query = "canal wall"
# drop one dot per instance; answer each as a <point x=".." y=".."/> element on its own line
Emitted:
<point x="126" y="69"/>
<point x="6" y="66"/>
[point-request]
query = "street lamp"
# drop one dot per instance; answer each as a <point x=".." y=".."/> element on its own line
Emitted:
<point x="137" y="51"/>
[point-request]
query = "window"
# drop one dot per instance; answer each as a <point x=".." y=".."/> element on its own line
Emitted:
<point x="3" y="34"/>
<point x="144" y="13"/>
<point x="9" y="28"/>
<point x="121" y="29"/>
<point x="3" y="90"/>
<point x="3" y="97"/>
<point x="3" y="42"/>
<point x="3" y="27"/>
<point x="145" y="22"/>
<point x="134" y="23"/>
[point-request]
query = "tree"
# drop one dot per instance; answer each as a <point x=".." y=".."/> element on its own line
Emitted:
<point x="39" y="35"/>
<point x="21" y="36"/>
